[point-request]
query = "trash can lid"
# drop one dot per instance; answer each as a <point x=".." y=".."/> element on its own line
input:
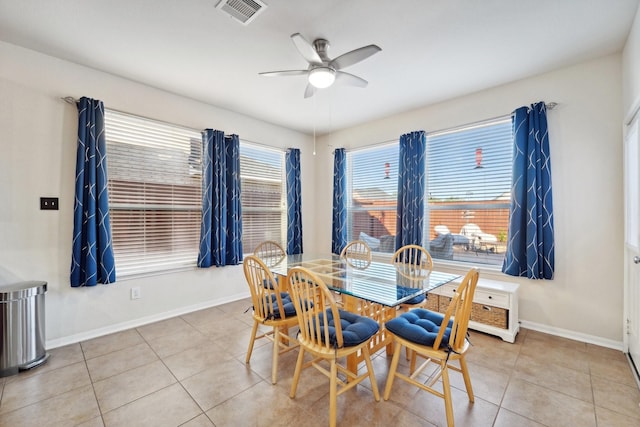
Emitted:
<point x="22" y="290"/>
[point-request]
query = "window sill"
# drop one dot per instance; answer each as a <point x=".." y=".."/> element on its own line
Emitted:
<point x="447" y="265"/>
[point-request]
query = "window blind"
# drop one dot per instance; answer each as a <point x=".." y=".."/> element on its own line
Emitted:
<point x="468" y="189"/>
<point x="154" y="193"/>
<point x="372" y="189"/>
<point x="264" y="215"/>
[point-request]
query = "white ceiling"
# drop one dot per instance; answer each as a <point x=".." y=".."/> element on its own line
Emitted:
<point x="431" y="49"/>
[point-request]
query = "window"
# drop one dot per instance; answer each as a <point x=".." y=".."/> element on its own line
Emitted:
<point x="154" y="193"/>
<point x="469" y="189"/>
<point x="264" y="213"/>
<point x="468" y="192"/>
<point x="372" y="193"/>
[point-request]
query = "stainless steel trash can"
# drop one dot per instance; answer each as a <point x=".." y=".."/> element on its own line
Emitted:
<point x="22" y="332"/>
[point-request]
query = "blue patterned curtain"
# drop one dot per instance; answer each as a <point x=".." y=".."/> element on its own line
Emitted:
<point x="221" y="228"/>
<point x="92" y="253"/>
<point x="339" y="230"/>
<point x="411" y="188"/>
<point x="294" y="202"/>
<point x="530" y="246"/>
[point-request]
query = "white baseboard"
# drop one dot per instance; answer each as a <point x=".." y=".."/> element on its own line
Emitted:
<point x="577" y="336"/>
<point x="72" y="339"/>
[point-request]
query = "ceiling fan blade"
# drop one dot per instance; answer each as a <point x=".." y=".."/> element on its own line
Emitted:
<point x="306" y="49"/>
<point x="309" y="91"/>
<point x="350" y="79"/>
<point x="285" y="73"/>
<point x="355" y="56"/>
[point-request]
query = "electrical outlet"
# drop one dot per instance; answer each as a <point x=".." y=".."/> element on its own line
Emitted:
<point x="135" y="293"/>
<point x="49" y="203"/>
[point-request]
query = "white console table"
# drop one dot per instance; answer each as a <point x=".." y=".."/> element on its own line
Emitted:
<point x="495" y="306"/>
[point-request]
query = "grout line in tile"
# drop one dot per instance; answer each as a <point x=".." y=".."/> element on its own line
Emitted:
<point x="240" y="358"/>
<point x="136" y="399"/>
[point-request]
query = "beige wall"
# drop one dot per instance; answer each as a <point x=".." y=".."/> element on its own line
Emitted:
<point x="585" y="299"/>
<point x="37" y="141"/>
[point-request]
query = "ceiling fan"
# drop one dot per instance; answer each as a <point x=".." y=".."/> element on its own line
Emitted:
<point x="322" y="70"/>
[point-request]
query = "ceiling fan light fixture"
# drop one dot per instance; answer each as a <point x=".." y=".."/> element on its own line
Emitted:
<point x="322" y="77"/>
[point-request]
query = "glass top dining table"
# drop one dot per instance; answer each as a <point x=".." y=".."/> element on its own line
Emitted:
<point x="378" y="282"/>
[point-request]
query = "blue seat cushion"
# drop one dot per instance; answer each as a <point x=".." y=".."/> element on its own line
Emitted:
<point x="267" y="283"/>
<point x="287" y="305"/>
<point x="404" y="291"/>
<point x="420" y="326"/>
<point x="355" y="329"/>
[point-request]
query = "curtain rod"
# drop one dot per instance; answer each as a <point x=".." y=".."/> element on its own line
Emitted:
<point x="549" y="105"/>
<point x="73" y="101"/>
<point x="261" y="144"/>
<point x="376" y="144"/>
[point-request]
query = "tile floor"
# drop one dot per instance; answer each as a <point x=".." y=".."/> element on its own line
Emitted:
<point x="190" y="371"/>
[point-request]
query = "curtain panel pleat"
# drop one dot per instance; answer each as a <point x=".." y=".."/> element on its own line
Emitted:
<point x="530" y="244"/>
<point x="294" y="202"/>
<point x="92" y="259"/>
<point x="339" y="229"/>
<point x="221" y="226"/>
<point x="411" y="188"/>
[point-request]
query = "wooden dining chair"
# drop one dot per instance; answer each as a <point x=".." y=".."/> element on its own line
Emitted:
<point x="413" y="264"/>
<point x="329" y="334"/>
<point x="271" y="308"/>
<point x="270" y="252"/>
<point x="440" y="339"/>
<point x="357" y="254"/>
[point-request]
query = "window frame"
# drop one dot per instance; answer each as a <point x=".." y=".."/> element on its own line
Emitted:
<point x="127" y="263"/>
<point x="501" y="204"/>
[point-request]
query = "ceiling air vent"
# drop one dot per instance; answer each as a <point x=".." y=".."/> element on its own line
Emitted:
<point x="243" y="11"/>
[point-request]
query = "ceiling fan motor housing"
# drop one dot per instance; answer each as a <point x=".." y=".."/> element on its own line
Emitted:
<point x="322" y="47"/>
